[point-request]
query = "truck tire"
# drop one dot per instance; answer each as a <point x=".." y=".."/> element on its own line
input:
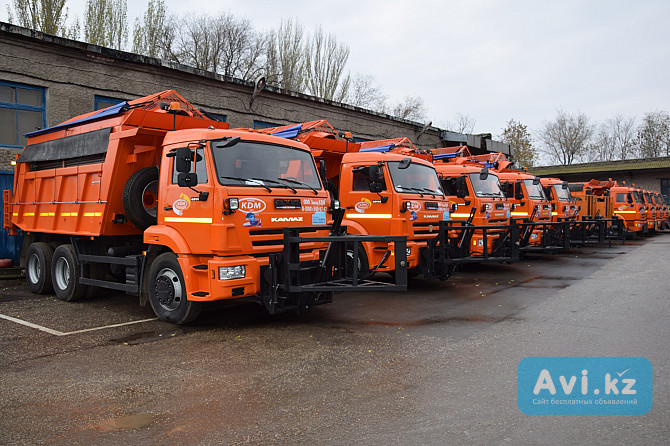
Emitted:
<point x="39" y="256"/>
<point x="140" y="197"/>
<point x="167" y="291"/>
<point x="65" y="275"/>
<point x="363" y="264"/>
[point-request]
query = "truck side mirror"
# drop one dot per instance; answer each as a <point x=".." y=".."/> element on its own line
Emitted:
<point x="629" y="199"/>
<point x="322" y="170"/>
<point x="187" y="179"/>
<point x="518" y="192"/>
<point x="565" y="184"/>
<point x="183" y="158"/>
<point x="483" y="174"/>
<point x="404" y="163"/>
<point x="375" y="174"/>
<point x="536" y="181"/>
<point x="461" y="187"/>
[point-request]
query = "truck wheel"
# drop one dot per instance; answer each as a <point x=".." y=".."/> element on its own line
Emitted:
<point x="65" y="275"/>
<point x="363" y="265"/>
<point x="38" y="267"/>
<point x="140" y="197"/>
<point x="167" y="291"/>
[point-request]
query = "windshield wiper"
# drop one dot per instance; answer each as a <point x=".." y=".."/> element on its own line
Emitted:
<point x="255" y="180"/>
<point x="291" y="180"/>
<point x="410" y="189"/>
<point x="279" y="183"/>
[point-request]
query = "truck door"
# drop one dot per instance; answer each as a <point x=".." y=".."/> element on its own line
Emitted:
<point x="188" y="211"/>
<point x="372" y="210"/>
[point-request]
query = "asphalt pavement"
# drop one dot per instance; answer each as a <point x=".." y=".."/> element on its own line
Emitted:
<point x="435" y="365"/>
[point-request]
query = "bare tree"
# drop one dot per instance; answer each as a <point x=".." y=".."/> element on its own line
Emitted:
<point x="614" y="140"/>
<point x="517" y="135"/>
<point x="199" y="42"/>
<point x="325" y="60"/>
<point x="654" y="134"/>
<point x="363" y="92"/>
<point x="153" y="36"/>
<point x="242" y="49"/>
<point x="410" y="108"/>
<point x="105" y="23"/>
<point x="47" y="16"/>
<point x="252" y="60"/>
<point x="464" y="123"/>
<point x="288" y="56"/>
<point x="568" y="138"/>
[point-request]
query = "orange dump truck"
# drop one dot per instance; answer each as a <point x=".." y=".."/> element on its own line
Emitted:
<point x="528" y="205"/>
<point x="477" y="202"/>
<point x="562" y="203"/>
<point x="629" y="205"/>
<point x="380" y="192"/>
<point x="152" y="198"/>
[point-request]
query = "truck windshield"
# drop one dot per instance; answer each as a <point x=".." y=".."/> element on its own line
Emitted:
<point x="562" y="194"/>
<point x="251" y="163"/>
<point x="535" y="191"/>
<point x="415" y="178"/>
<point x="490" y="187"/>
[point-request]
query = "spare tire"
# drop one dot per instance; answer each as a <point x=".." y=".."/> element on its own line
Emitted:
<point x="140" y="197"/>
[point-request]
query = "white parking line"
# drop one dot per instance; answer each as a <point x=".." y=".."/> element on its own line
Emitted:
<point x="60" y="333"/>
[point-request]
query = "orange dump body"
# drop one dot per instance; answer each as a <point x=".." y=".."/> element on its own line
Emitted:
<point x="593" y="199"/>
<point x="71" y="180"/>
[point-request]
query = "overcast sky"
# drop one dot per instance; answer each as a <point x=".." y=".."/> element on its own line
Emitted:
<point x="491" y="60"/>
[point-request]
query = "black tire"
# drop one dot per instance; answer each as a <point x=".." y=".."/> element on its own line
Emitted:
<point x="65" y="275"/>
<point x="167" y="291"/>
<point x="140" y="197"/>
<point x="38" y="268"/>
<point x="363" y="264"/>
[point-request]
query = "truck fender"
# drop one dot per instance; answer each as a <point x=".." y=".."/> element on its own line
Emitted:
<point x="167" y="236"/>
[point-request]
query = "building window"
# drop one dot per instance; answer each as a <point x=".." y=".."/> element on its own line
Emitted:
<point x="22" y="110"/>
<point x="263" y="125"/>
<point x="665" y="187"/>
<point x="104" y="102"/>
<point x="216" y="117"/>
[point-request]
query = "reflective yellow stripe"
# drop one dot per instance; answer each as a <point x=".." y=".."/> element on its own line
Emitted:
<point x="47" y="214"/>
<point x="188" y="220"/>
<point x="29" y="214"/>
<point x="92" y="214"/>
<point x="554" y="213"/>
<point x="368" y="216"/>
<point x="460" y="215"/>
<point x="519" y="214"/>
<point x="624" y="212"/>
<point x="69" y="214"/>
<point x="15" y="214"/>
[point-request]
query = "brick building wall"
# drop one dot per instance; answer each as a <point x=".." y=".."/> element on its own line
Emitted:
<point x="73" y="73"/>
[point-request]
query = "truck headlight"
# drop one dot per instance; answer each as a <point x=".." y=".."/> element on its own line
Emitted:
<point x="533" y="236"/>
<point x="232" y="272"/>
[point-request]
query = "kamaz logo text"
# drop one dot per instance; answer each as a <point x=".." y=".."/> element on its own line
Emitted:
<point x="285" y="219"/>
